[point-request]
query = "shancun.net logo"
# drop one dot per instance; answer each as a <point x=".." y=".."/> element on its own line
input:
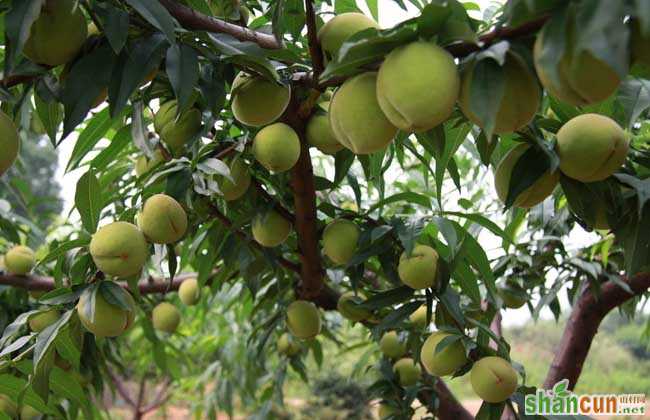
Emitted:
<point x="561" y="401"/>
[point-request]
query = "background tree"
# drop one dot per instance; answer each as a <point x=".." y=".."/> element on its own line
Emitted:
<point x="194" y="121"/>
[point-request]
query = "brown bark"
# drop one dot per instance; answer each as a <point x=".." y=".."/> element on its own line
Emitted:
<point x="46" y="284"/>
<point x="449" y="407"/>
<point x="304" y="196"/>
<point x="193" y="20"/>
<point x="582" y="326"/>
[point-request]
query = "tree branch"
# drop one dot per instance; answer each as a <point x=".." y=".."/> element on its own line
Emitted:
<point x="193" y="20"/>
<point x="282" y="211"/>
<point x="582" y="326"/>
<point x="121" y="389"/>
<point x="315" y="50"/>
<point x="304" y="197"/>
<point x="46" y="284"/>
<point x="448" y="406"/>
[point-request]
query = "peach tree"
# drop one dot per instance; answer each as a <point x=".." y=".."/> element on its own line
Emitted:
<point x="293" y="164"/>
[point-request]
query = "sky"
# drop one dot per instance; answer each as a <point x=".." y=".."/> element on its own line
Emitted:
<point x="390" y="15"/>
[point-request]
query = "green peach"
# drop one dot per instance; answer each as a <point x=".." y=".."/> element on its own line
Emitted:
<point x="407" y="371"/>
<point x="417" y="86"/>
<point x="9" y="143"/>
<point x="20" y="260"/>
<point x="144" y="165"/>
<point x="493" y="379"/>
<point x="303" y="319"/>
<point x="583" y="78"/>
<point x="270" y="229"/>
<point x="534" y="194"/>
<point x="240" y="174"/>
<point x="347" y="307"/>
<point x="445" y="362"/>
<point x="337" y="30"/>
<point x="521" y="96"/>
<point x="513" y="295"/>
<point x="340" y="239"/>
<point x="419" y="270"/>
<point x="391" y="345"/>
<point x="419" y="317"/>
<point x="288" y="346"/>
<point x="591" y="147"/>
<point x="163" y="220"/>
<point x="277" y="147"/>
<point x="385" y="411"/>
<point x="110" y="320"/>
<point x="189" y="292"/>
<point x="257" y="101"/>
<point x="356" y="118"/>
<point x="29" y="413"/>
<point x="8" y="406"/>
<point x="119" y="249"/>
<point x="166" y="317"/>
<point x="58" y="34"/>
<point x="176" y="130"/>
<point x="38" y="323"/>
<point x="319" y="132"/>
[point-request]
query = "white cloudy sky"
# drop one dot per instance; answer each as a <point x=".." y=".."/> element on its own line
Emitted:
<point x="390" y="14"/>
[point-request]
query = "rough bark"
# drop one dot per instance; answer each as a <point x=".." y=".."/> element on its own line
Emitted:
<point x="46" y="284"/>
<point x="304" y="198"/>
<point x="582" y="326"/>
<point x="193" y="20"/>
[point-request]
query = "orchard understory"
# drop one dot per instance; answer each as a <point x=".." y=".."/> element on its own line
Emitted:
<point x="250" y="148"/>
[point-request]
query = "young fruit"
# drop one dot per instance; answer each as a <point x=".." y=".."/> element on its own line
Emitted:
<point x="288" y="346"/>
<point x="176" y="130"/>
<point x="277" y="147"/>
<point x="493" y="379"/>
<point x="38" y="323"/>
<point x="348" y="307"/>
<point x="356" y="118"/>
<point x="521" y="96"/>
<point x="165" y="317"/>
<point x="582" y="78"/>
<point x="163" y="220"/>
<point x="319" y="131"/>
<point x="591" y="147"/>
<point x="418" y="271"/>
<point x="391" y="345"/>
<point x="513" y="295"/>
<point x="419" y="317"/>
<point x="109" y="320"/>
<point x="407" y="371"/>
<point x="385" y="411"/>
<point x="303" y="319"/>
<point x="189" y="292"/>
<point x="144" y="165"/>
<point x="58" y="34"/>
<point x="532" y="195"/>
<point x="119" y="249"/>
<point x="446" y="361"/>
<point x="336" y="31"/>
<point x="257" y="101"/>
<point x="340" y="239"/>
<point x="241" y="180"/>
<point x="20" y="260"/>
<point x="9" y="142"/>
<point x="8" y="407"/>
<point x="417" y="86"/>
<point x="28" y="413"/>
<point x="270" y="229"/>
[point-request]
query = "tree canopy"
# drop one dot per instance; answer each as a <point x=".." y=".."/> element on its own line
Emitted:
<point x="256" y="174"/>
